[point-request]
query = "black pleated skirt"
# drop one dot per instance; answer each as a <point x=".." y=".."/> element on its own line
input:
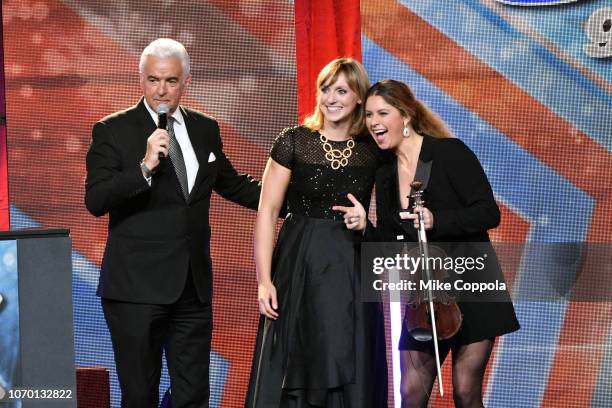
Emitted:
<point x="327" y="348"/>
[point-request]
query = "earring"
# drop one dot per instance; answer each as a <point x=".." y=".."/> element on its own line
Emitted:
<point x="406" y="131"/>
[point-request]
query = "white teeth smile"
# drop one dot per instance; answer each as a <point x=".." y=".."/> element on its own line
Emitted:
<point x="379" y="132"/>
<point x="334" y="108"/>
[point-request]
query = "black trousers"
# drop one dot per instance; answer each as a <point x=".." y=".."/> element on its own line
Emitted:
<point x="140" y="332"/>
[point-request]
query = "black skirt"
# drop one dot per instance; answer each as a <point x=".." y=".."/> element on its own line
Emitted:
<point x="327" y="348"/>
<point x="481" y="319"/>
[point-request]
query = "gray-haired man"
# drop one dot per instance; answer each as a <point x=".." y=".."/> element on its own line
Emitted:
<point x="155" y="184"/>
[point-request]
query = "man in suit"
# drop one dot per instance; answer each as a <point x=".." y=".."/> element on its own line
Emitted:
<point x="155" y="184"/>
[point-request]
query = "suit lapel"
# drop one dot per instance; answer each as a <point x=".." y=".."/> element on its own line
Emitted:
<point x="198" y="143"/>
<point x="390" y="190"/>
<point x="144" y="118"/>
<point x="391" y="184"/>
<point x="394" y="196"/>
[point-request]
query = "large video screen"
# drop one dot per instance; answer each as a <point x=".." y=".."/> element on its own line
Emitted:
<point x="529" y="89"/>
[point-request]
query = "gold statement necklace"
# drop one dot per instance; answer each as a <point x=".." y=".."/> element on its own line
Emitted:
<point x="338" y="158"/>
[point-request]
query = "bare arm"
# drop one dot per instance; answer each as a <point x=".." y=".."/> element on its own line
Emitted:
<point x="275" y="182"/>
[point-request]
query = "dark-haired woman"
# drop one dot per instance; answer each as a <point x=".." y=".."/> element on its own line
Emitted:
<point x="460" y="208"/>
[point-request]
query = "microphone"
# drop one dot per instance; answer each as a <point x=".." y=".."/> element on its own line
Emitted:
<point x="162" y="120"/>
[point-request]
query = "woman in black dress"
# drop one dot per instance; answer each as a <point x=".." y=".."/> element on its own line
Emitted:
<point x="318" y="345"/>
<point x="460" y="208"/>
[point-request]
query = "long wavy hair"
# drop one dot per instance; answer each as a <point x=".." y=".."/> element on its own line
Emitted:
<point x="400" y="96"/>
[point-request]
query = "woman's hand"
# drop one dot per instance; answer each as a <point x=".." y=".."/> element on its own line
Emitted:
<point x="268" y="304"/>
<point x="275" y="181"/>
<point x="428" y="218"/>
<point x="354" y="217"/>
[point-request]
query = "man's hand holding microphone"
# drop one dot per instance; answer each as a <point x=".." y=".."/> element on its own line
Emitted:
<point x="157" y="143"/>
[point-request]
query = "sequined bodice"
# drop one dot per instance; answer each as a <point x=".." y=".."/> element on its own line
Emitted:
<point x="314" y="186"/>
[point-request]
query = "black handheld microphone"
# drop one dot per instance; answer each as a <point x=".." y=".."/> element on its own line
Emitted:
<point x="162" y="120"/>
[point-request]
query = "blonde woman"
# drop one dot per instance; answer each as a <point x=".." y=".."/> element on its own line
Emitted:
<point x="318" y="345"/>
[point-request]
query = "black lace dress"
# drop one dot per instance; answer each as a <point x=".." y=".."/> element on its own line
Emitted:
<point x="327" y="348"/>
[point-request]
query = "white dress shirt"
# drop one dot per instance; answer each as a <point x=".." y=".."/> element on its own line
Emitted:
<point x="180" y="131"/>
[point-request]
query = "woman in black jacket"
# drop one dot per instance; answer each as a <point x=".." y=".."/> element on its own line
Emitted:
<point x="460" y="207"/>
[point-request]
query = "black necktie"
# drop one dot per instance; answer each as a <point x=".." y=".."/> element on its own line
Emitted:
<point x="176" y="155"/>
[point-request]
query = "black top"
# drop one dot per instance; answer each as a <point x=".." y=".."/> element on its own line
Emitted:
<point x="314" y="186"/>
<point x="461" y="200"/>
<point x="458" y="195"/>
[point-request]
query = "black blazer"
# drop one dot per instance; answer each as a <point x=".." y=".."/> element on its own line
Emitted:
<point x="458" y="194"/>
<point x="461" y="200"/>
<point x="154" y="234"/>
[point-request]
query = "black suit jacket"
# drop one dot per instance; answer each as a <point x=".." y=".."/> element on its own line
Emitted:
<point x="154" y="234"/>
<point x="461" y="199"/>
<point x="458" y="194"/>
